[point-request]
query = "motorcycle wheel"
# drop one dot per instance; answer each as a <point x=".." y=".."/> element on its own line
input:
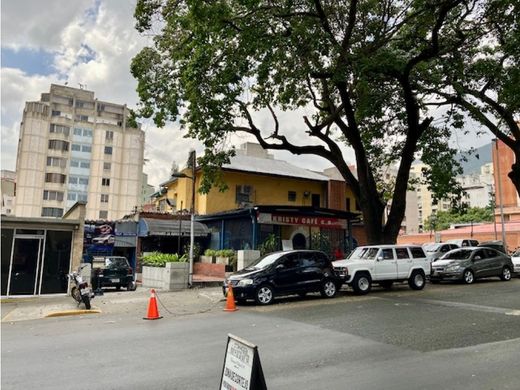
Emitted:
<point x="86" y="301"/>
<point x="74" y="292"/>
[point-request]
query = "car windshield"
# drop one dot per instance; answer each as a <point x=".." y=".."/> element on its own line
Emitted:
<point x="116" y="262"/>
<point x="362" y="252"/>
<point x="458" y="254"/>
<point x="517" y="253"/>
<point x="431" y="247"/>
<point x="265" y="261"/>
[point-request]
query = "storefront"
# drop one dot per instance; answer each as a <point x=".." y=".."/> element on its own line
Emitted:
<point x="292" y="226"/>
<point x="37" y="254"/>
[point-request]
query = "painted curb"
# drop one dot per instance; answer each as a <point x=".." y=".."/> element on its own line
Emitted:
<point x="72" y="313"/>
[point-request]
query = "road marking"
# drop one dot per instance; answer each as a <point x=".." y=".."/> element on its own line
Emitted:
<point x="467" y="306"/>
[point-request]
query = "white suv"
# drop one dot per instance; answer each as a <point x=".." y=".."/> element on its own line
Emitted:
<point x="384" y="265"/>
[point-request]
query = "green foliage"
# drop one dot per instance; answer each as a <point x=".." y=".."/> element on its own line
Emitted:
<point x="210" y="252"/>
<point x="196" y="249"/>
<point x="320" y="242"/>
<point x="158" y="259"/>
<point x="226" y="253"/>
<point x="443" y="219"/>
<point x="271" y="244"/>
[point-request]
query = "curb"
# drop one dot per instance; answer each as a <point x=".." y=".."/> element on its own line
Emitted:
<point x="72" y="313"/>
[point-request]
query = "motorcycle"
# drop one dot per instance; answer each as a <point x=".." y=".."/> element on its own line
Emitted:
<point x="80" y="291"/>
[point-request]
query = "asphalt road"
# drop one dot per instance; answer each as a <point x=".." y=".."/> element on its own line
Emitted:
<point x="448" y="336"/>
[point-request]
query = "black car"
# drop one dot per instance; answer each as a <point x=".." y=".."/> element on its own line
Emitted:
<point x="112" y="271"/>
<point x="285" y="273"/>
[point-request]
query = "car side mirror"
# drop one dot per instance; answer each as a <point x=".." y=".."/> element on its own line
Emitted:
<point x="279" y="267"/>
<point x="380" y="258"/>
<point x="477" y="258"/>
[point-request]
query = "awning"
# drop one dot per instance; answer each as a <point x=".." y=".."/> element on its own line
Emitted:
<point x="170" y="227"/>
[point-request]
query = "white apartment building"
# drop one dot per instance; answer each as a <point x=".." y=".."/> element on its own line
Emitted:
<point x="73" y="147"/>
<point x="425" y="206"/>
<point x="8" y="190"/>
<point x="478" y="187"/>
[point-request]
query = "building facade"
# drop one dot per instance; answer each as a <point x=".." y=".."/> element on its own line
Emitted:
<point x="73" y="147"/>
<point x="506" y="198"/>
<point x="8" y="191"/>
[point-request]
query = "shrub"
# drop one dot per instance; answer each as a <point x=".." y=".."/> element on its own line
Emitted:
<point x="271" y="244"/>
<point x="196" y="250"/>
<point x="225" y="253"/>
<point x="158" y="259"/>
<point x="210" y="252"/>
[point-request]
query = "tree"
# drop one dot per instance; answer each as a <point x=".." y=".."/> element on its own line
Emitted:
<point x="482" y="77"/>
<point x="353" y="69"/>
<point x="443" y="219"/>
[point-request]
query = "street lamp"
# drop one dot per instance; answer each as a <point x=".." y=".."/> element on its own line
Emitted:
<point x="192" y="161"/>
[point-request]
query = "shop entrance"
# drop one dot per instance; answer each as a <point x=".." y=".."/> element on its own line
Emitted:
<point x="35" y="261"/>
<point x="27" y="255"/>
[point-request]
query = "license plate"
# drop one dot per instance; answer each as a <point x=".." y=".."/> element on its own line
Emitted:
<point x="85" y="291"/>
<point x="114" y="280"/>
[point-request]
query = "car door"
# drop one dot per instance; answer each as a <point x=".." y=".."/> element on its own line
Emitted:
<point x="311" y="270"/>
<point x="481" y="263"/>
<point x="287" y="275"/>
<point x="386" y="265"/>
<point x="495" y="262"/>
<point x="404" y="262"/>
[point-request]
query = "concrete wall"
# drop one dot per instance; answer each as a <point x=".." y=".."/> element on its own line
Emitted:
<point x="174" y="276"/>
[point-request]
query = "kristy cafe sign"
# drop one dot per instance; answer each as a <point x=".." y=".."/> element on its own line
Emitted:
<point x="281" y="219"/>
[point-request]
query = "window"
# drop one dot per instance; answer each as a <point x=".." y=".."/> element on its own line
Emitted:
<point x="52" y="212"/>
<point x="387" y="254"/>
<point x="105" y="181"/>
<point x="56" y="113"/>
<point x="417" y="253"/>
<point x="86" y="148"/>
<point x="84" y="164"/>
<point x="104" y="198"/>
<point x="107" y="166"/>
<point x="76" y="147"/>
<point x="78" y="131"/>
<point x="58" y="129"/>
<point x="402" y="253"/>
<point x="83" y="181"/>
<point x="290" y="261"/>
<point x="348" y="204"/>
<point x="53" y="195"/>
<point x="71" y="196"/>
<point x="315" y="200"/>
<point x="109" y="135"/>
<point x="291" y="196"/>
<point x="56" y="144"/>
<point x="74" y="163"/>
<point x="55" y="178"/>
<point x="56" y="162"/>
<point x="82" y="196"/>
<point x="108" y="149"/>
<point x="87" y="133"/>
<point x="103" y="214"/>
<point x="82" y="118"/>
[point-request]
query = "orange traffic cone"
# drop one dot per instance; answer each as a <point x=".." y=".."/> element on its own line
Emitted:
<point x="153" y="312"/>
<point x="230" y="300"/>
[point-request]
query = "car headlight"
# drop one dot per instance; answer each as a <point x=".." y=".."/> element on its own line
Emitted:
<point x="453" y="268"/>
<point x="245" y="282"/>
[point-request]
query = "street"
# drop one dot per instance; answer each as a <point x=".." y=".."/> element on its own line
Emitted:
<point x="447" y="336"/>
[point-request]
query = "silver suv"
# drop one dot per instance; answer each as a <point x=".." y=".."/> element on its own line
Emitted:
<point x="384" y="265"/>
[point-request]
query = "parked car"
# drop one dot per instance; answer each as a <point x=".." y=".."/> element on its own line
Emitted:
<point x="284" y="273"/>
<point x="469" y="264"/>
<point x="435" y="250"/>
<point x="112" y="271"/>
<point x="498" y="245"/>
<point x="105" y="240"/>
<point x="463" y="242"/>
<point x="384" y="265"/>
<point x="515" y="258"/>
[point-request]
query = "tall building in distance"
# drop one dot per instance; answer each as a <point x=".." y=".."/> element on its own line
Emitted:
<point x="73" y="147"/>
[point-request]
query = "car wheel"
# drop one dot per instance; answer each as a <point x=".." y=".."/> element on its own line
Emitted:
<point x="387" y="285"/>
<point x="328" y="289"/>
<point x="131" y="286"/>
<point x="506" y="274"/>
<point x="417" y="280"/>
<point x="468" y="277"/>
<point x="264" y="295"/>
<point x="362" y="283"/>
<point x="118" y="287"/>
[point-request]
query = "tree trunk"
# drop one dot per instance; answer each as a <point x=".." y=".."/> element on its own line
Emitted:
<point x="514" y="175"/>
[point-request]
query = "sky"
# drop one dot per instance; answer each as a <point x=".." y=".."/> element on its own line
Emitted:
<point x="91" y="42"/>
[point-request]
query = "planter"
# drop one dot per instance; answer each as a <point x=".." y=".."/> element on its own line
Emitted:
<point x="206" y="259"/>
<point x="214" y="270"/>
<point x="174" y="276"/>
<point x="222" y="260"/>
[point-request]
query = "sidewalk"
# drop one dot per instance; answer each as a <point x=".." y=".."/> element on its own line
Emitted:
<point x="170" y="303"/>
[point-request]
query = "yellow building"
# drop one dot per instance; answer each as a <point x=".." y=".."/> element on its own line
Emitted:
<point x="282" y="199"/>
